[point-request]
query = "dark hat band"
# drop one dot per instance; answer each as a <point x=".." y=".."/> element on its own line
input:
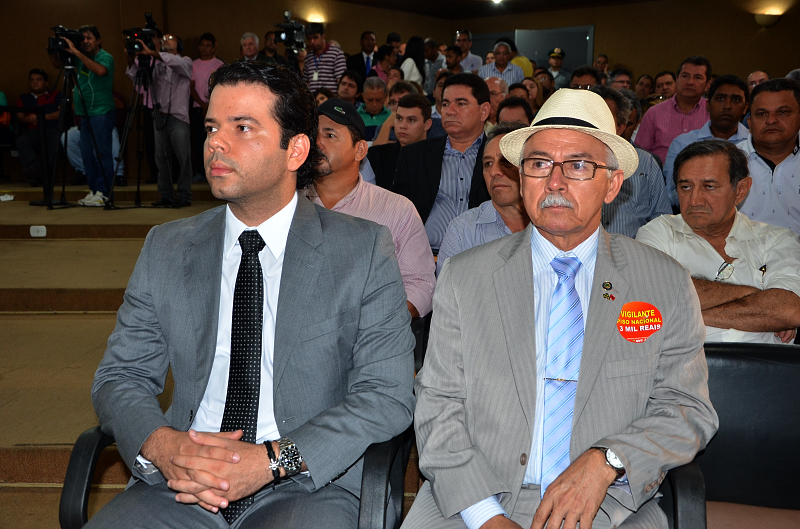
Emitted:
<point x="574" y="122"/>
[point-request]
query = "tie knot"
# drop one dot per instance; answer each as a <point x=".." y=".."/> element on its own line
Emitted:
<point x="251" y="242"/>
<point x="566" y="266"/>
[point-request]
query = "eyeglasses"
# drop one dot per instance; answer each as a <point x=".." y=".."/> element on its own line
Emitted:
<point x="392" y="103"/>
<point x="725" y="272"/>
<point x="572" y="169"/>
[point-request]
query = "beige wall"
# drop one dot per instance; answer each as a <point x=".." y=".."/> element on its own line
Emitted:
<point x="343" y="22"/>
<point x="647" y="36"/>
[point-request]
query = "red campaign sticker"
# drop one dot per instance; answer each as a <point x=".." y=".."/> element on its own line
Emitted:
<point x="638" y="321"/>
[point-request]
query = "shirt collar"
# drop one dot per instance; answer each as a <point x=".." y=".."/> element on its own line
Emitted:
<point x="543" y="251"/>
<point x="742" y="229"/>
<point x="274" y="230"/>
<point x="488" y="214"/>
<point x="475" y="146"/>
<point x="311" y="193"/>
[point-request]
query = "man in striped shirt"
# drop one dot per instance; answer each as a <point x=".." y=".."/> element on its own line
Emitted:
<point x="684" y="112"/>
<point x="501" y="67"/>
<point x="324" y="64"/>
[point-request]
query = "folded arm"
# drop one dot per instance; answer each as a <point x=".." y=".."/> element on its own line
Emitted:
<point x="773" y="309"/>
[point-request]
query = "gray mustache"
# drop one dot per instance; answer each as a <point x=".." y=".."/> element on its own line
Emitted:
<point x="555" y="200"/>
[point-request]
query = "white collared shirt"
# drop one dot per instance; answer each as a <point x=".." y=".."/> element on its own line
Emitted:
<point x="275" y="232"/>
<point x="753" y="246"/>
<point x="774" y="197"/>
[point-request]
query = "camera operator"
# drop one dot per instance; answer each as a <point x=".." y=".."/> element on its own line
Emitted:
<point x="95" y="76"/>
<point x="172" y="77"/>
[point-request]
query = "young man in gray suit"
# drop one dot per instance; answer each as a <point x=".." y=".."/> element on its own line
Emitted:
<point x="564" y="385"/>
<point x="290" y="349"/>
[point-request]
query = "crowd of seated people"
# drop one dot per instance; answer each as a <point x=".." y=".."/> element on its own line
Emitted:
<point x="479" y="171"/>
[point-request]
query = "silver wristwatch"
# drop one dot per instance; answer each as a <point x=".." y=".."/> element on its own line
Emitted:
<point x="289" y="458"/>
<point x="613" y="461"/>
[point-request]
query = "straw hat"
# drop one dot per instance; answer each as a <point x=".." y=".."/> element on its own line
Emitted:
<point x="579" y="110"/>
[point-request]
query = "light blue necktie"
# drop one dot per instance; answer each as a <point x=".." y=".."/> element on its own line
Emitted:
<point x="564" y="346"/>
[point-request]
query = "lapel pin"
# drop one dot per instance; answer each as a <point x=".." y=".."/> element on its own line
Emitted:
<point x="607" y="285"/>
<point x="609" y="296"/>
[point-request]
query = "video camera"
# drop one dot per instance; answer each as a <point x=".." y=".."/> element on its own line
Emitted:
<point x="145" y="34"/>
<point x="58" y="45"/>
<point x="293" y="35"/>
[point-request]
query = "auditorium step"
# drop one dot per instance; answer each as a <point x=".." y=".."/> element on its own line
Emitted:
<point x="148" y="193"/>
<point x="17" y="217"/>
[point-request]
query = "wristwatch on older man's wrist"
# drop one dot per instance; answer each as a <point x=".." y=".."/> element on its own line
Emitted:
<point x="613" y="461"/>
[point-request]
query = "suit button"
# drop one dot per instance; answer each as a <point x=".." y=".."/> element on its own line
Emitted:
<point x="523" y="459"/>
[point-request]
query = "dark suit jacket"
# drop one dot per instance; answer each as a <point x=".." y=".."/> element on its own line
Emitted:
<point x="356" y="63"/>
<point x="383" y="159"/>
<point x="419" y="171"/>
<point x="343" y="363"/>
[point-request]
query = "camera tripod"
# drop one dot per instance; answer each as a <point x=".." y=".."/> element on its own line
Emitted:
<point x="48" y="183"/>
<point x="142" y="86"/>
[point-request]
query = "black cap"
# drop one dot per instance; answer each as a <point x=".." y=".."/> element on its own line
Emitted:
<point x="556" y="52"/>
<point x="343" y="113"/>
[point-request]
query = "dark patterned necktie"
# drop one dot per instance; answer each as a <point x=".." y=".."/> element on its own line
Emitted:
<point x="244" y="375"/>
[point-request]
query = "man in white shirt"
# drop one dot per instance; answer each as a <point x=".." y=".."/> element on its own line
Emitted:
<point x="773" y="154"/>
<point x="284" y="326"/>
<point x="469" y="61"/>
<point x="746" y="273"/>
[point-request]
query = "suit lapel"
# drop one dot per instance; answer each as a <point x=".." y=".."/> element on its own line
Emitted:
<point x="301" y="267"/>
<point x="435" y="160"/>
<point x="517" y="315"/>
<point x="202" y="270"/>
<point x="602" y="319"/>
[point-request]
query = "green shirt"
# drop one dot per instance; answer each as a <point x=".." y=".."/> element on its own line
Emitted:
<point x="372" y="122"/>
<point x="96" y="89"/>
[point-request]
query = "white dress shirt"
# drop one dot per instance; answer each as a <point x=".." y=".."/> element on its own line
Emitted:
<point x="274" y="231"/>
<point x="753" y="246"/>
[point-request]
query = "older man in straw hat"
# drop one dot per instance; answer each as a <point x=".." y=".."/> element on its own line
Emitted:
<point x="564" y="385"/>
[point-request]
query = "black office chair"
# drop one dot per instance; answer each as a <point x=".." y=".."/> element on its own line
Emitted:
<point x="383" y="475"/>
<point x="754" y="458"/>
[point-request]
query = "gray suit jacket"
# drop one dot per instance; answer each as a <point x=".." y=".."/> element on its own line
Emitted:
<point x="343" y="362"/>
<point x="477" y="391"/>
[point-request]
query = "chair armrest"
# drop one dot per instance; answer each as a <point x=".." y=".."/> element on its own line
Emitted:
<point x="72" y="511"/>
<point x="689" y="496"/>
<point x="420" y="327"/>
<point x="384" y="470"/>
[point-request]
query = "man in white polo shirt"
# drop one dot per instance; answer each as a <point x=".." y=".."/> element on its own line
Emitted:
<point x="746" y="273"/>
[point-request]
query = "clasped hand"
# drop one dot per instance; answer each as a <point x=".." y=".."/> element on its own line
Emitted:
<point x="210" y="469"/>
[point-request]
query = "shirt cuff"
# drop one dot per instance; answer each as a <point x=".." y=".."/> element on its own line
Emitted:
<point x="481" y="512"/>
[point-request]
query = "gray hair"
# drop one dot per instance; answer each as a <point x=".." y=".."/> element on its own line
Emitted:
<point x="249" y="35"/>
<point x="373" y="83"/>
<point x="504" y="44"/>
<point x="503" y="83"/>
<point x="636" y="105"/>
<point x="623" y="105"/>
